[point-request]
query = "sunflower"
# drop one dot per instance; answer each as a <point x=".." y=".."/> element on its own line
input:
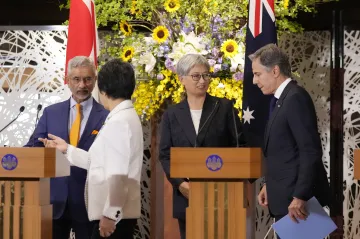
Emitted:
<point x="126" y="28"/>
<point x="127" y="53"/>
<point x="172" y="5"/>
<point x="160" y="34"/>
<point x="229" y="48"/>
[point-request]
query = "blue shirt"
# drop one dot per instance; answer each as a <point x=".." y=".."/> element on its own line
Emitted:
<point x="86" y="107"/>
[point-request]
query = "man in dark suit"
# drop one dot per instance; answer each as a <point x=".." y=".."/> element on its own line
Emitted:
<point x="76" y="120"/>
<point x="294" y="172"/>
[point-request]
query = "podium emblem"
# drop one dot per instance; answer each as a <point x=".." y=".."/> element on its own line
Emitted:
<point x="214" y="162"/>
<point x="9" y="162"/>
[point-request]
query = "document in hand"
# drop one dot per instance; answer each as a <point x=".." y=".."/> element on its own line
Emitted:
<point x="317" y="225"/>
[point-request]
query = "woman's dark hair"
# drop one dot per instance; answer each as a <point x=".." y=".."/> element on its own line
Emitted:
<point x="117" y="79"/>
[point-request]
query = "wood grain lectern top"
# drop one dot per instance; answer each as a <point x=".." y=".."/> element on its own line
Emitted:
<point x="26" y="212"/>
<point x="218" y="207"/>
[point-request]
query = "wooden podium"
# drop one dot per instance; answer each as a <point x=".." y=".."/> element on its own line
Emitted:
<point x="218" y="205"/>
<point x="26" y="212"/>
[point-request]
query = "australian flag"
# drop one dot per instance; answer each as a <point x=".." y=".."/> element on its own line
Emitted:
<point x="260" y="32"/>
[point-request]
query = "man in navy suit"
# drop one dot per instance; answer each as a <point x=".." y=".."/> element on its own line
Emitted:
<point x="67" y="193"/>
<point x="294" y="171"/>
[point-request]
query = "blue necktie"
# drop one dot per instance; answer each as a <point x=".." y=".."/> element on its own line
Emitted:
<point x="272" y="104"/>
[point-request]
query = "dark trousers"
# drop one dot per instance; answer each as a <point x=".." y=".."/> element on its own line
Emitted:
<point x="63" y="225"/>
<point x="182" y="228"/>
<point x="124" y="230"/>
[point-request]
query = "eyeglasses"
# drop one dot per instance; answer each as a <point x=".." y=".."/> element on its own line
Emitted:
<point x="86" y="80"/>
<point x="197" y="77"/>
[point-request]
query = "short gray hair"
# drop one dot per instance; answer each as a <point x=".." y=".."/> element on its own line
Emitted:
<point x="271" y="55"/>
<point x="187" y="62"/>
<point x="81" y="61"/>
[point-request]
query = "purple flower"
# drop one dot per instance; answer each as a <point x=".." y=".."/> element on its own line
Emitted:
<point x="168" y="63"/>
<point x="238" y="76"/>
<point x="215" y="52"/>
<point x="224" y="66"/>
<point x="160" y="76"/>
<point x="166" y="48"/>
<point x="212" y="62"/>
<point x="217" y="68"/>
<point x="186" y="25"/>
<point x="215" y="28"/>
<point x="217" y="19"/>
<point x="187" y="30"/>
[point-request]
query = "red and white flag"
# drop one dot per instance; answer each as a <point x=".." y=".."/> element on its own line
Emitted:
<point x="82" y="32"/>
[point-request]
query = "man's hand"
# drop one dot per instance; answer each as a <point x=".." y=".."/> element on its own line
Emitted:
<point x="106" y="226"/>
<point x="297" y="210"/>
<point x="184" y="189"/>
<point x="262" y="197"/>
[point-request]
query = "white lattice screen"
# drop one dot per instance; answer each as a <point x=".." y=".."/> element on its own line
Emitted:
<point x="351" y="133"/>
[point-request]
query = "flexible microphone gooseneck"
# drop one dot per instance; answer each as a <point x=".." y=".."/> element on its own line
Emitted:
<point x="235" y="125"/>
<point x="39" y="107"/>
<point x="22" y="108"/>
<point x="212" y="112"/>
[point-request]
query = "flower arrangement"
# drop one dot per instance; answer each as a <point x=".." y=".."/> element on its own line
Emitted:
<point x="154" y="35"/>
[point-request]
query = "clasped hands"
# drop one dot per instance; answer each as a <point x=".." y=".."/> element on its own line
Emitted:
<point x="297" y="210"/>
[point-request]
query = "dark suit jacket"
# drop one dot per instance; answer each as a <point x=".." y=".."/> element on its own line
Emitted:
<point x="293" y="153"/>
<point x="55" y="120"/>
<point x="216" y="129"/>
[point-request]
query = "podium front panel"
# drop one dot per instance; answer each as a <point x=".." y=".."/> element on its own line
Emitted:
<point x="207" y="163"/>
<point x="25" y="211"/>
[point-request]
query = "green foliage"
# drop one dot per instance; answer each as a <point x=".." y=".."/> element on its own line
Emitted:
<point x="112" y="12"/>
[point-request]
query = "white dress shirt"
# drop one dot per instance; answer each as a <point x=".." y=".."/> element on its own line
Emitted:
<point x="114" y="163"/>
<point x="196" y="116"/>
<point x="281" y="88"/>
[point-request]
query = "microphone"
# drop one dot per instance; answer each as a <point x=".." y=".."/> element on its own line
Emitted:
<point x="22" y="108"/>
<point x="39" y="107"/>
<point x="212" y="112"/>
<point x="235" y="125"/>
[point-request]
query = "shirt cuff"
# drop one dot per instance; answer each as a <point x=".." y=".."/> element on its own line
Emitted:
<point x="68" y="152"/>
<point x="114" y="213"/>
